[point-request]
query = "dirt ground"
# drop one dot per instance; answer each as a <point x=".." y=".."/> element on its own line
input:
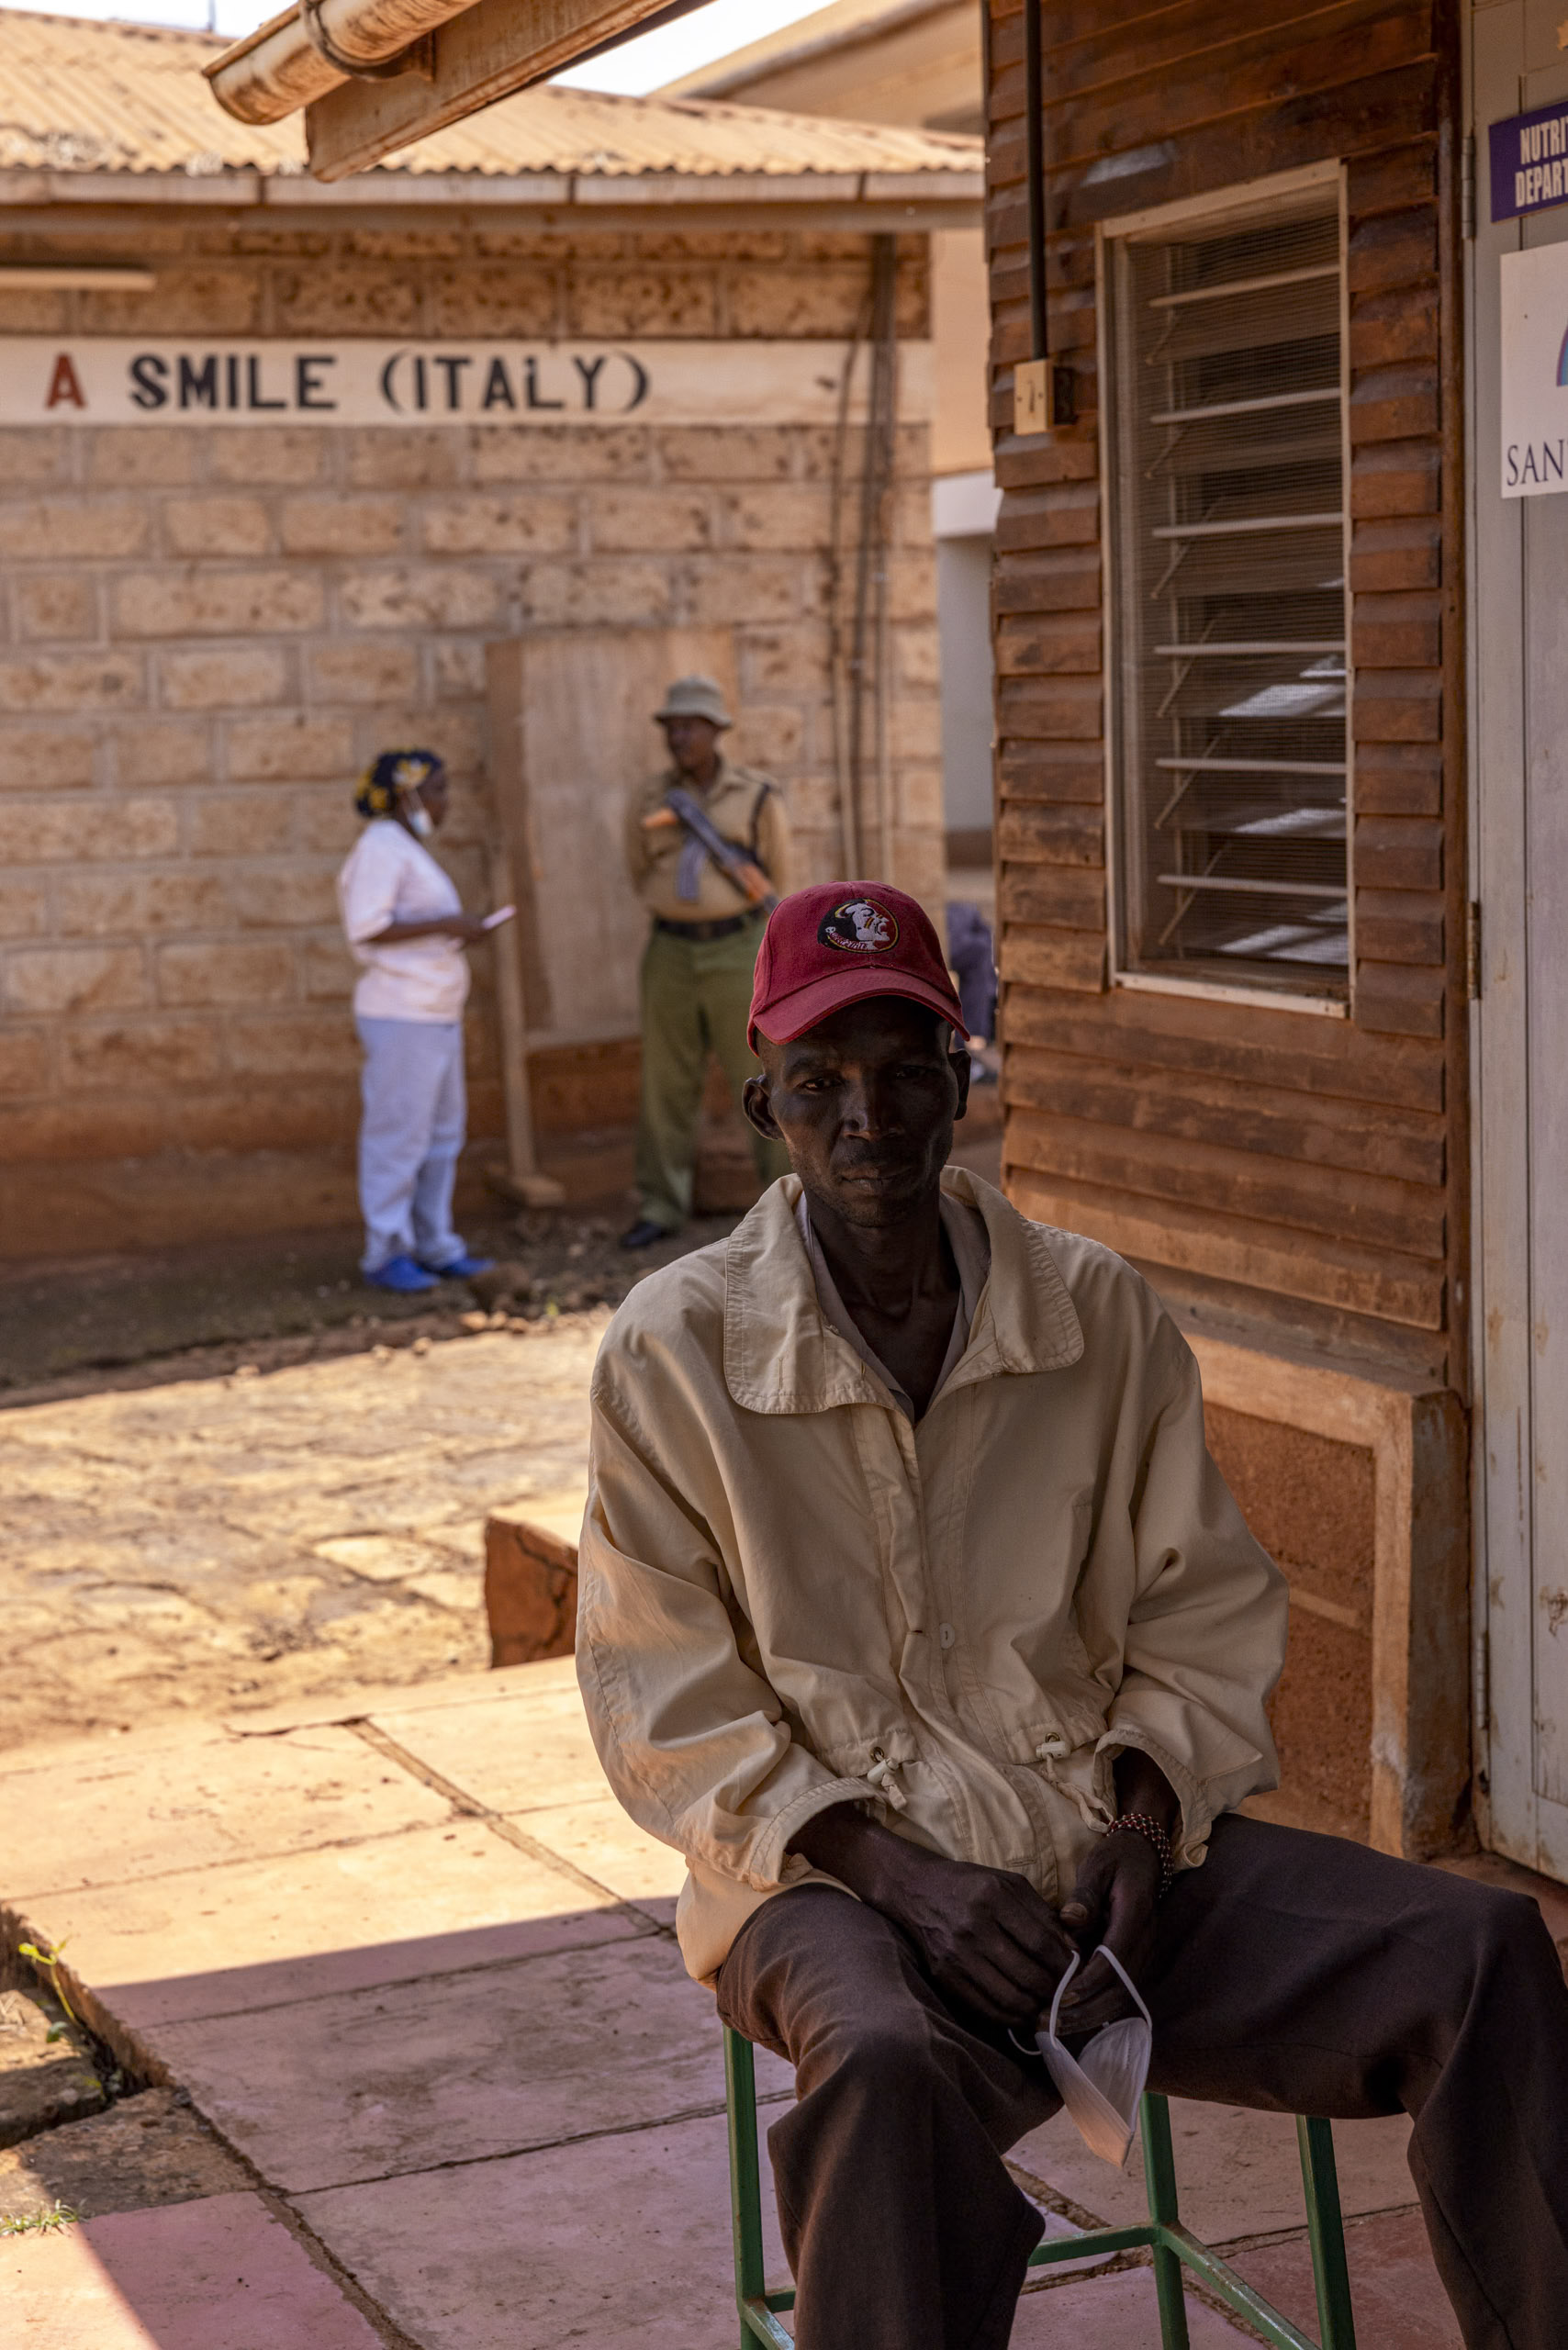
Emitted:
<point x="230" y="1477"/>
<point x="274" y="1532"/>
<point x="79" y="1327"/>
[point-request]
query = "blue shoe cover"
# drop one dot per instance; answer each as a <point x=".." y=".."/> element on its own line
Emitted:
<point x="401" y="1274"/>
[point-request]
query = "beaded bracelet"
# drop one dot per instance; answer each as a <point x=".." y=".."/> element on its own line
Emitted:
<point x="1139" y="1823"/>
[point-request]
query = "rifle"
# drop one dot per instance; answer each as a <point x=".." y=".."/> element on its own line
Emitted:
<point x="680" y="807"/>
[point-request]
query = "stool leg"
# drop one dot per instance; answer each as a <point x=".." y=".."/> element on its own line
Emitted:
<point x="1325" y="2233"/>
<point x="746" y="2186"/>
<point x="1159" y="2179"/>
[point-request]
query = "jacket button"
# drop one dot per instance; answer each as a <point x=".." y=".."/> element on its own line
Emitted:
<point x="947" y="1635"/>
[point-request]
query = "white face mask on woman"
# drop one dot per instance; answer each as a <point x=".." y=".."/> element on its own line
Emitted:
<point x="420" y="822"/>
<point x="1103" y="2085"/>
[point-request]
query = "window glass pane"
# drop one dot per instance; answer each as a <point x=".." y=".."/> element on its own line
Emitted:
<point x="1227" y="498"/>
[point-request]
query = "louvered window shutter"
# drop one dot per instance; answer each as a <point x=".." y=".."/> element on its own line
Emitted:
<point x="1230" y="599"/>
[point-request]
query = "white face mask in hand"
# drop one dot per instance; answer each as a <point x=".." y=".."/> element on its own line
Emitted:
<point x="1103" y="2085"/>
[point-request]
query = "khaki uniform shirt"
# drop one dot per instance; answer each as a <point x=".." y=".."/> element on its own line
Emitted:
<point x="653" y="858"/>
<point x="791" y="1595"/>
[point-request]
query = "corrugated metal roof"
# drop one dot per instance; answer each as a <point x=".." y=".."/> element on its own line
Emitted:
<point x="845" y="21"/>
<point x="87" y="96"/>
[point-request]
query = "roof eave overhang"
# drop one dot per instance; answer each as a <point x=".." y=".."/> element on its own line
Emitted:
<point x="871" y="201"/>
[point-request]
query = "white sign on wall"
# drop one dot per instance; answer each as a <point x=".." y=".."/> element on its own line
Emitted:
<point x="1534" y="372"/>
<point x="121" y="379"/>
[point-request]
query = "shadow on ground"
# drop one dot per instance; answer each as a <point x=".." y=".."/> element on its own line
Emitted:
<point x="447" y="2081"/>
<point x="69" y="1329"/>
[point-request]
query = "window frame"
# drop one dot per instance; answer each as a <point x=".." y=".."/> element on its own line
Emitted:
<point x="1241" y="200"/>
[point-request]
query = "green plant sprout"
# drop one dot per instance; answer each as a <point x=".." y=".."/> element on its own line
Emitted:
<point x="48" y="1958"/>
<point x="53" y="2221"/>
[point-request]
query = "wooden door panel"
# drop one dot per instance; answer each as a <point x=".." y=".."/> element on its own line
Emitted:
<point x="1546" y="970"/>
<point x="1519" y="747"/>
<point x="572" y="732"/>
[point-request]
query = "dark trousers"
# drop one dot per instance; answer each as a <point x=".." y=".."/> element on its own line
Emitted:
<point x="1296" y="1973"/>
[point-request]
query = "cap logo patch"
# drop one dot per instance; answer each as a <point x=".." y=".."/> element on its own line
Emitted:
<point x="858" y="926"/>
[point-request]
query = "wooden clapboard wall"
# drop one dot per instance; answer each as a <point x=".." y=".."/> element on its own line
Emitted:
<point x="1300" y="1179"/>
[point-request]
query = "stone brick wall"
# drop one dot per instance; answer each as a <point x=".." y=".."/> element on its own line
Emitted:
<point x="1312" y="1502"/>
<point x="208" y="631"/>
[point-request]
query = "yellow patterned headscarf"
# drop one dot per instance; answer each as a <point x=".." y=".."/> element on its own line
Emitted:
<point x="390" y="776"/>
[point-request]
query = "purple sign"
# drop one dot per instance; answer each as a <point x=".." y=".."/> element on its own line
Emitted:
<point x="1530" y="162"/>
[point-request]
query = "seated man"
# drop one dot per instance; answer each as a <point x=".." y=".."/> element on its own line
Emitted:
<point x="915" y="1614"/>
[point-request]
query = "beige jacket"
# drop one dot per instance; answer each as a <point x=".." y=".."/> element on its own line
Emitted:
<point x="790" y="1596"/>
<point x="736" y="798"/>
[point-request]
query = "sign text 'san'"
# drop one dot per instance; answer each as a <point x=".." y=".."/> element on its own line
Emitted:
<point x="1534" y="372"/>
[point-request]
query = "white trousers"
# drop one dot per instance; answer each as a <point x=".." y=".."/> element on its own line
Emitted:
<point x="411" y="1128"/>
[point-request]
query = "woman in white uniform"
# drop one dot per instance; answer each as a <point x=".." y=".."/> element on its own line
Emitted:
<point x="406" y="930"/>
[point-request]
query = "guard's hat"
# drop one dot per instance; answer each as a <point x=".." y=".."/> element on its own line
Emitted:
<point x="837" y="942"/>
<point x="696" y="697"/>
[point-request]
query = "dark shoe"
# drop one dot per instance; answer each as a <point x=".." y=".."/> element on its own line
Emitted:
<point x="643" y="1234"/>
<point x="461" y="1269"/>
<point x="403" y="1276"/>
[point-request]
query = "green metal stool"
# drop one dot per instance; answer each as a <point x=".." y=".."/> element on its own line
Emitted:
<point x="1173" y="2245"/>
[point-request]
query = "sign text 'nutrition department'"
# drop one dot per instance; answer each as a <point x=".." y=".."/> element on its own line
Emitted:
<point x="1528" y="155"/>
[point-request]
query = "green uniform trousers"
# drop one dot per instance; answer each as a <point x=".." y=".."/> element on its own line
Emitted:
<point x="696" y="996"/>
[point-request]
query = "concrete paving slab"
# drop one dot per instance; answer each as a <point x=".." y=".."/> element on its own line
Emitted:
<point x="1238" y="2172"/>
<point x="67" y="1755"/>
<point x="461" y="2067"/>
<point x="217" y="1942"/>
<point x="626" y="2237"/>
<point x="222" y="2274"/>
<point x="1399" y="2302"/>
<point x="626" y="2234"/>
<point x="511" y="1758"/>
<point x="357" y="1702"/>
<point x="1116" y="2312"/>
<point x="185" y="1807"/>
<point x="598" y="1839"/>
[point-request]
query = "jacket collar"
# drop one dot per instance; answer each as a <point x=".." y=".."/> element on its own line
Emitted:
<point x="780" y="1355"/>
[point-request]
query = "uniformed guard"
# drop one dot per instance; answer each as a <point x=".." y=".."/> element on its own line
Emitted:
<point x="708" y="914"/>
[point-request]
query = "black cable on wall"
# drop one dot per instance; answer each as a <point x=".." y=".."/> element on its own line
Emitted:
<point x="1043" y="392"/>
<point x="1034" y="177"/>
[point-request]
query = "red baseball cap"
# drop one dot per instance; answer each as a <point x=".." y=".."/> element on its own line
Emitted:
<point x="839" y="942"/>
